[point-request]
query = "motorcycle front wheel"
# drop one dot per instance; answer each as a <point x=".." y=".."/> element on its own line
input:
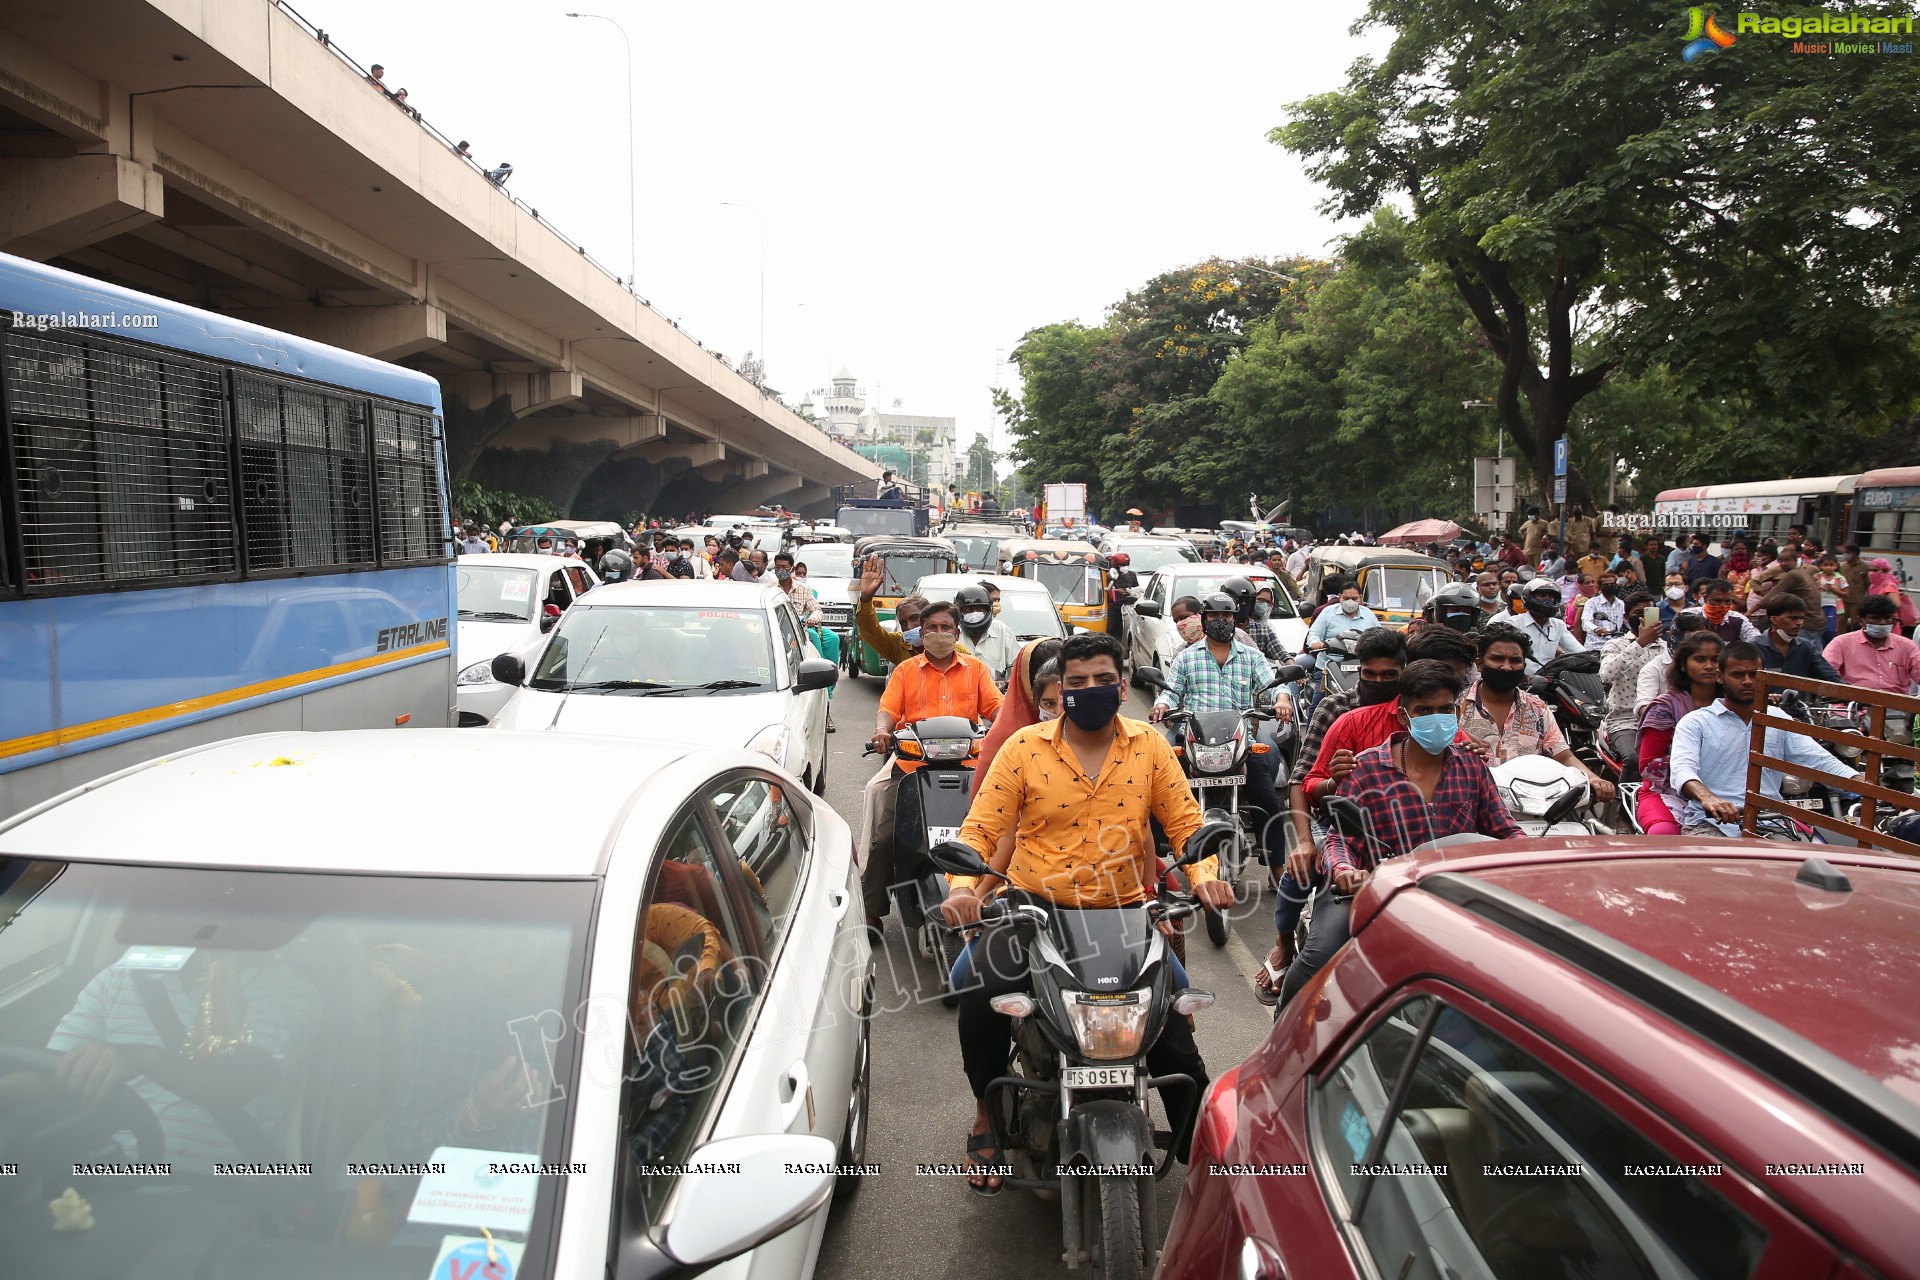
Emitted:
<point x="1218" y="926"/>
<point x="1123" y="1254"/>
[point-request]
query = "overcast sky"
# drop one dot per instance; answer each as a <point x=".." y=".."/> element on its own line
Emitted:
<point x="934" y="181"/>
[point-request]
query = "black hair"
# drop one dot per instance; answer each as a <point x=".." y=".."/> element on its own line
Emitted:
<point x="1687" y="623"/>
<point x="1424" y="678"/>
<point x="1693" y="642"/>
<point x="1380" y="642"/>
<point x="1190" y="603"/>
<point x="1879" y="606"/>
<point x="1783" y="602"/>
<point x="1088" y="645"/>
<point x="778" y="556"/>
<point x="1440" y="644"/>
<point x="1716" y="584"/>
<point x="947" y="607"/>
<point x="1741" y="651"/>
<point x="1639" y="598"/>
<point x="1047" y="673"/>
<point x="1044" y="652"/>
<point x="1503" y="633"/>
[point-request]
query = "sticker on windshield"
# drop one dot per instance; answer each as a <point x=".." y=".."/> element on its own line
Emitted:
<point x="473" y="1193"/>
<point x="1355" y="1129"/>
<point x="516" y="590"/>
<point x="1393" y="602"/>
<point x="477" y="1258"/>
<point x="717" y="613"/>
<point x="155" y="959"/>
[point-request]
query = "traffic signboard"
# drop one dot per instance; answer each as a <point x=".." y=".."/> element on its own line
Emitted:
<point x="1560" y="459"/>
<point x="1559" y="489"/>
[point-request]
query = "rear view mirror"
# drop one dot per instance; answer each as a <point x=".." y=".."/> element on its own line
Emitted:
<point x="767" y="1183"/>
<point x="957" y="859"/>
<point x="1149" y="678"/>
<point x="1289" y="673"/>
<point x="507" y="668"/>
<point x="1210" y="840"/>
<point x="1566" y="804"/>
<point x="815" y="673"/>
<point x="1147" y="609"/>
<point x="1345" y="815"/>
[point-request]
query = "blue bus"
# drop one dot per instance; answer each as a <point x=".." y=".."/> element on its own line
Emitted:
<point x="207" y="528"/>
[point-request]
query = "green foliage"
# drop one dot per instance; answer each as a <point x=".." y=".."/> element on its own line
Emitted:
<point x="1055" y="420"/>
<point x="978" y="475"/>
<point x="490" y="506"/>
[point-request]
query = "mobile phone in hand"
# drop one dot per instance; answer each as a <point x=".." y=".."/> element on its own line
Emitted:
<point x="1650" y="616"/>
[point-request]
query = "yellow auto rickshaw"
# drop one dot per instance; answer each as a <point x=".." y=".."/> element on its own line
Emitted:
<point x="905" y="561"/>
<point x="1074" y="574"/>
<point x="1394" y="583"/>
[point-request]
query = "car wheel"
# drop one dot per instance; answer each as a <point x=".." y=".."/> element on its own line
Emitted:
<point x="853" y="1142"/>
<point x="820" y="774"/>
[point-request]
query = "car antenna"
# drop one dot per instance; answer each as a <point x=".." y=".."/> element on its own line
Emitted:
<point x="591" y="650"/>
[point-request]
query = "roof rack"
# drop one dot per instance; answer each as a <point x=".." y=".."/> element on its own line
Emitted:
<point x="1823" y="1078"/>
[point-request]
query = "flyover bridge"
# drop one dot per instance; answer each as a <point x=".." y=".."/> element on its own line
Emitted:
<point x="225" y="154"/>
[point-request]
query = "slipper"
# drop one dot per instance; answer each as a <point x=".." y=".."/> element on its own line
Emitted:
<point x="978" y="1145"/>
<point x="1266" y="983"/>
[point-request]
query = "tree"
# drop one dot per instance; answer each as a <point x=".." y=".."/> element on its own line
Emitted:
<point x="979" y="477"/>
<point x="1582" y="187"/>
<point x="1055" y="420"/>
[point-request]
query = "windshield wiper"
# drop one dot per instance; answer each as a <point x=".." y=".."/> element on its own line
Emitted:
<point x="693" y="688"/>
<point x="620" y="684"/>
<point x="493" y="613"/>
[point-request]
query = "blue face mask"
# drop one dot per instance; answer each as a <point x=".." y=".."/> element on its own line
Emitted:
<point x="912" y="637"/>
<point x="1092" y="708"/>
<point x="1434" y="732"/>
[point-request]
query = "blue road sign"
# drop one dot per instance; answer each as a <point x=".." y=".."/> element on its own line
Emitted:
<point x="1560" y="456"/>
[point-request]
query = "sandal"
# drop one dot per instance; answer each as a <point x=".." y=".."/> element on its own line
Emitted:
<point x="1266" y="982"/>
<point x="978" y="1147"/>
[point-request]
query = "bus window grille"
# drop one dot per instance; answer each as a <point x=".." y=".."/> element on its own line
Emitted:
<point x="120" y="463"/>
<point x="302" y="476"/>
<point x="412" y="517"/>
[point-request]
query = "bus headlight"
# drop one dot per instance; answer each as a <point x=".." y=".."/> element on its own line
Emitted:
<point x="1108" y="1027"/>
<point x="478" y="673"/>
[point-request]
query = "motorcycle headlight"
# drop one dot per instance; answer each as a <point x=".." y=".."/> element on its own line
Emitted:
<point x="1212" y="759"/>
<point x="945" y="748"/>
<point x="478" y="673"/>
<point x="1794" y="786"/>
<point x="1108" y="1027"/>
<point x="771" y="742"/>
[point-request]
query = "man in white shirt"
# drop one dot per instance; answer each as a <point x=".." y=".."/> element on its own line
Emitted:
<point x="1621" y="662"/>
<point x="1546" y="632"/>
<point x="1297" y="564"/>
<point x="1604" y="616"/>
<point x="1710" y="750"/>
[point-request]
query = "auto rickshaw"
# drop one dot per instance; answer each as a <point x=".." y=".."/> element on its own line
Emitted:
<point x="906" y="561"/>
<point x="1394" y="583"/>
<point x="1074" y="574"/>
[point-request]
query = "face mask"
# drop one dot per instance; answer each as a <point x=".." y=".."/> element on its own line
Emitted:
<point x="1501" y="679"/>
<point x="1541" y="609"/>
<point x="1434" y="732"/>
<point x="1046" y="713"/>
<point x="1219" y="629"/>
<point x="1092" y="708"/>
<point x="1371" y="693"/>
<point x="1262" y="609"/>
<point x="939" y="645"/>
<point x="1676" y="593"/>
<point x="977" y="618"/>
<point x="1588" y="591"/>
<point x="783" y="574"/>
<point x="1350" y="607"/>
<point x="996" y="608"/>
<point x="1716" y="613"/>
<point x="912" y="637"/>
<point x="1189" y="628"/>
<point x="1609" y="589"/>
<point x="1877" y="631"/>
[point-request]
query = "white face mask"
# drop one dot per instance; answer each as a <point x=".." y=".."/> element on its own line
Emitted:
<point x="1350" y="607"/>
<point x="974" y="619"/>
<point x="1676" y="593"/>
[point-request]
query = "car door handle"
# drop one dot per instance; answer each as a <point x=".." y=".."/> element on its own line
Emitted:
<point x="837" y="903"/>
<point x="796" y="1078"/>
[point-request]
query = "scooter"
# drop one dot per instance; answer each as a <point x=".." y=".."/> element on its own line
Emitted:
<point x="949" y="747"/>
<point x="1570" y="685"/>
<point x="1213" y="747"/>
<point x="1339" y="668"/>
<point x="1072" y="1113"/>
<point x="1768" y="824"/>
<point x="1542" y="795"/>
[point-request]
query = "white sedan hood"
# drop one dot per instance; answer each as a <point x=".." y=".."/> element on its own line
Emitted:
<point x="696" y="719"/>
<point x="483" y="641"/>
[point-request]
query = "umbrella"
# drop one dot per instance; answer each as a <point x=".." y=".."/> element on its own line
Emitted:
<point x="1419" y="533"/>
<point x="1135" y="511"/>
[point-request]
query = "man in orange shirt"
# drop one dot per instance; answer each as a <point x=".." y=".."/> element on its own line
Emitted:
<point x="939" y="681"/>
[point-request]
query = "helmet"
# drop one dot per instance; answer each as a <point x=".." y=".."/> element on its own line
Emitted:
<point x="1119" y="559"/>
<point x="1542" y="593"/>
<point x="971" y="600"/>
<point x="1218" y="602"/>
<point x="1456" y="605"/>
<point x="615" y="566"/>
<point x="1240" y="590"/>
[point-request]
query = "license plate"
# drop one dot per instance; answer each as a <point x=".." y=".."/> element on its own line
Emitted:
<point x="1097" y="1077"/>
<point x="1222" y="780"/>
<point x="1808" y="802"/>
<point x="936" y="835"/>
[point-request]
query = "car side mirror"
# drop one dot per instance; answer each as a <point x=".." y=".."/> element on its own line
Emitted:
<point x="758" y="1178"/>
<point x="507" y="668"/>
<point x="815" y="673"/>
<point x="1146" y="609"/>
<point x="957" y="859"/>
<point x="1150" y="678"/>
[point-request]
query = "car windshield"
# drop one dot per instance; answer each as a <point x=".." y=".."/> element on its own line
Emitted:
<point x="1075" y="583"/>
<point x="1029" y="616"/>
<point x="903" y="573"/>
<point x="1401" y="587"/>
<point x="977" y="550"/>
<point x="496" y="593"/>
<point x="314" y="1045"/>
<point x="826" y="559"/>
<point x="635" y="649"/>
<point x="1144" y="557"/>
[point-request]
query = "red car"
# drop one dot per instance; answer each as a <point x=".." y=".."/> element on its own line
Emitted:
<point x="1601" y="1058"/>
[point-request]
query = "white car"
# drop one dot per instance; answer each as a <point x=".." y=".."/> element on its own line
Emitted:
<point x="702" y="662"/>
<point x="1147" y="552"/>
<point x="503" y="601"/>
<point x="1153" y="641"/>
<point x="417" y="1022"/>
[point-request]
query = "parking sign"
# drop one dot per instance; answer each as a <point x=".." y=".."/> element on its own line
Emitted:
<point x="1560" y="456"/>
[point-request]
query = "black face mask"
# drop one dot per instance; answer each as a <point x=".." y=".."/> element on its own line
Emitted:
<point x="1218" y="629"/>
<point x="1369" y="693"/>
<point x="1541" y="611"/>
<point x="1502" y="679"/>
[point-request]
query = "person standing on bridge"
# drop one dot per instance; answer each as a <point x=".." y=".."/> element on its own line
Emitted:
<point x="376" y="79"/>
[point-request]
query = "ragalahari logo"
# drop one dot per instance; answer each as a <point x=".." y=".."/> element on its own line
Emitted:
<point x="1704" y="35"/>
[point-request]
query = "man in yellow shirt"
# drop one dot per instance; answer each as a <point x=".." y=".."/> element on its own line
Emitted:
<point x="1078" y="794"/>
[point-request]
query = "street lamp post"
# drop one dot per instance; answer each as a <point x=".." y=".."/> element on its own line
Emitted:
<point x="731" y="204"/>
<point x="633" y="181"/>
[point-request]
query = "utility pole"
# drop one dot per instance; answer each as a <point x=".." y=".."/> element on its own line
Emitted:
<point x="633" y="182"/>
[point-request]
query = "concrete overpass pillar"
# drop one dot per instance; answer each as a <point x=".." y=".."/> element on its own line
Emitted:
<point x="49" y="207"/>
<point x="811" y="499"/>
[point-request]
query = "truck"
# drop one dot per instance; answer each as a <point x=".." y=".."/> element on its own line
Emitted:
<point x="1065" y="502"/>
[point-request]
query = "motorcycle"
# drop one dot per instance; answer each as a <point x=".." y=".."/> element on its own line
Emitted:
<point x="1072" y="1113"/>
<point x="1768" y="825"/>
<point x="1213" y="747"/>
<point x="1570" y="685"/>
<point x="1542" y="796"/>
<point x="1339" y="668"/>
<point x="949" y="747"/>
